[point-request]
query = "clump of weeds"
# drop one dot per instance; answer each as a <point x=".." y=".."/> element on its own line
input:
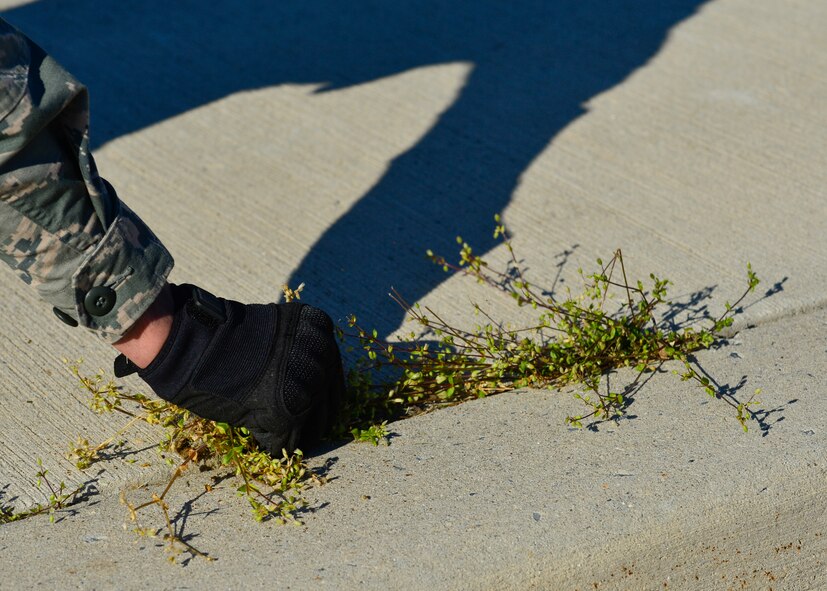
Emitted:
<point x="577" y="339"/>
<point x="272" y="486"/>
<point x="613" y="323"/>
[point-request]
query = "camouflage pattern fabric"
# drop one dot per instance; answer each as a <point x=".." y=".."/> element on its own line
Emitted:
<point x="62" y="228"/>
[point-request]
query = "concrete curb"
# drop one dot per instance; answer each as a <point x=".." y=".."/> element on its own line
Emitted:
<point x="499" y="494"/>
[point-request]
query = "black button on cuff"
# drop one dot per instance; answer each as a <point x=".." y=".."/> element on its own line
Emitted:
<point x="65" y="317"/>
<point x="99" y="300"/>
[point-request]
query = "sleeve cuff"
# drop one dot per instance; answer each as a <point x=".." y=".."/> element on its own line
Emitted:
<point x="121" y="277"/>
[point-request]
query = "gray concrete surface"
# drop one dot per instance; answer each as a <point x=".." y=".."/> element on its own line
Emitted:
<point x="499" y="494"/>
<point x="272" y="144"/>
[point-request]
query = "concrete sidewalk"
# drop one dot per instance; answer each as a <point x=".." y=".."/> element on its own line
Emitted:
<point x="499" y="494"/>
<point x="273" y="144"/>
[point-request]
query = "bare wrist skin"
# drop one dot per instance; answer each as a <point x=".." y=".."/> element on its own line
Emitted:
<point x="142" y="343"/>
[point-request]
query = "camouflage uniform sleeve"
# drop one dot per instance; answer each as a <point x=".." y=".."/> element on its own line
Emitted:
<point x="63" y="229"/>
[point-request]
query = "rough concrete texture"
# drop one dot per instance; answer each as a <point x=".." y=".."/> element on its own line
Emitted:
<point x="292" y="142"/>
<point x="499" y="494"/>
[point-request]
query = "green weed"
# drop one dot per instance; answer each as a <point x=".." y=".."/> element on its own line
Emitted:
<point x="576" y="339"/>
<point x="58" y="497"/>
<point x="374" y="434"/>
<point x="272" y="486"/>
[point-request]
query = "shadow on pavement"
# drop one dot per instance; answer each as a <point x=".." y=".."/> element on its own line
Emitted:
<point x="533" y="66"/>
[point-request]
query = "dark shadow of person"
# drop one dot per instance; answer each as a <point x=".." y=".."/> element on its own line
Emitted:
<point x="534" y="63"/>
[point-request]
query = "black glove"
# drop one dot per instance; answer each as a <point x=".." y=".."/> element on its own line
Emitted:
<point x="274" y="369"/>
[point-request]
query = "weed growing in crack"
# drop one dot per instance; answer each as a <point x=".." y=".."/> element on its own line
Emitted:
<point x="58" y="497"/>
<point x="374" y="434"/>
<point x="575" y="340"/>
<point x="272" y="486"/>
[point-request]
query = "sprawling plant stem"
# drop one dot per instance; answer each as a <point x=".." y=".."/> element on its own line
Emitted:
<point x="576" y="339"/>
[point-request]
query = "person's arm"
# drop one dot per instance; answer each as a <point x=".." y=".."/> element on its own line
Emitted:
<point x="274" y="369"/>
<point x="63" y="229"/>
